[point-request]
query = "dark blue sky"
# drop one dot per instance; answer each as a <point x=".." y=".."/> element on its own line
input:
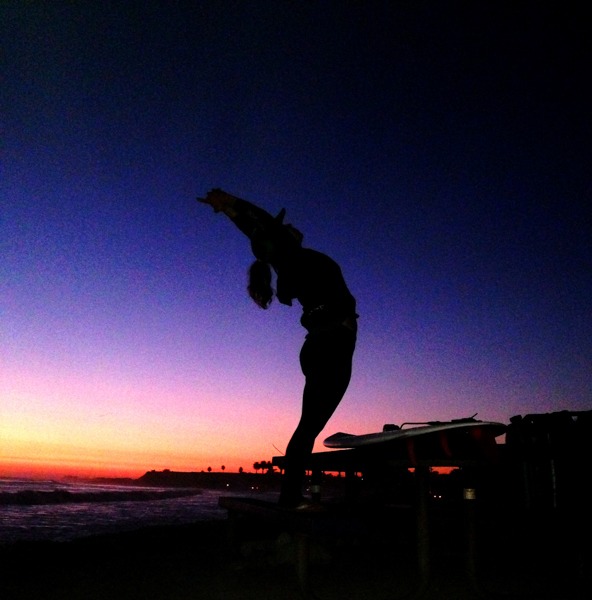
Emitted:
<point x="439" y="151"/>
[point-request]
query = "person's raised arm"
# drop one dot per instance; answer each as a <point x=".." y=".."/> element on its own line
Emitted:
<point x="249" y="218"/>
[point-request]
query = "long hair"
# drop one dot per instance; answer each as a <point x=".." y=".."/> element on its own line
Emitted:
<point x="259" y="286"/>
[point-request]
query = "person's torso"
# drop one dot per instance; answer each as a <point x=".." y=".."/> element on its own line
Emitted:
<point x="316" y="281"/>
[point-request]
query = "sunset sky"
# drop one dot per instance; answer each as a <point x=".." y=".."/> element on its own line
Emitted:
<point x="440" y="154"/>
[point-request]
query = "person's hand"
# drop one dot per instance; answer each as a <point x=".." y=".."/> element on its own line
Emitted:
<point x="218" y="199"/>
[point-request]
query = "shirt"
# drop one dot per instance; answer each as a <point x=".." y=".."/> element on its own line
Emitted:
<point x="316" y="281"/>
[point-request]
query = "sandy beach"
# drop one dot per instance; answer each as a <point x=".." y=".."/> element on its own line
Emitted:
<point x="195" y="561"/>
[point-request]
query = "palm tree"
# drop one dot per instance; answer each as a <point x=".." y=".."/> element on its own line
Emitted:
<point x="266" y="466"/>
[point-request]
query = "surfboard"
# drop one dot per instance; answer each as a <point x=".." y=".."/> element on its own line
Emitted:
<point x="392" y="434"/>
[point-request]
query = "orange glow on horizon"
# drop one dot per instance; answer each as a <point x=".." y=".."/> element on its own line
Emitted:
<point x="72" y="445"/>
<point x="57" y="469"/>
<point x="20" y="458"/>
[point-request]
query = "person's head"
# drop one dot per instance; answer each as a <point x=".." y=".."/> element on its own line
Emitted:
<point x="271" y="248"/>
<point x="264" y="249"/>
<point x="276" y="242"/>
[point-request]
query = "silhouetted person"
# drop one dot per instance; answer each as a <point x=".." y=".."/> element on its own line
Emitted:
<point x="328" y="314"/>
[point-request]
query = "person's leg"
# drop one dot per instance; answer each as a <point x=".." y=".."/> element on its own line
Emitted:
<point x="326" y="361"/>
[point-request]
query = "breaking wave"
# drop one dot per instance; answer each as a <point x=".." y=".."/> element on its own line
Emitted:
<point x="58" y="511"/>
<point x="61" y="496"/>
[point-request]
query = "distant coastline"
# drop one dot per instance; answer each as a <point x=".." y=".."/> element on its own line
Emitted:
<point x="153" y="485"/>
<point x="191" y="479"/>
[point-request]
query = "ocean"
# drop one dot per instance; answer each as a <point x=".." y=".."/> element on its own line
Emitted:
<point x="32" y="510"/>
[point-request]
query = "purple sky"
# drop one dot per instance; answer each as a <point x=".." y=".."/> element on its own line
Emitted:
<point x="441" y="155"/>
